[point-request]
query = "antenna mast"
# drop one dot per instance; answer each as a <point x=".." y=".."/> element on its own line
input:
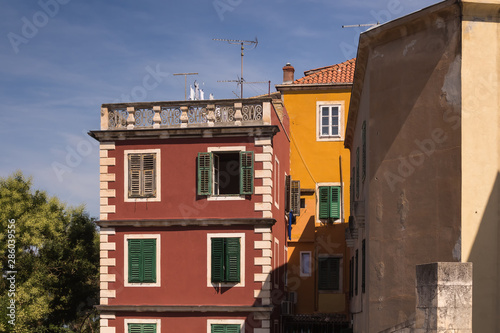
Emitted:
<point x="360" y="25"/>
<point x="242" y="43"/>
<point x="185" y="82"/>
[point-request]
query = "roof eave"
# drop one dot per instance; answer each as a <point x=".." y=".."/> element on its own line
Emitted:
<point x="312" y="86"/>
<point x="367" y="39"/>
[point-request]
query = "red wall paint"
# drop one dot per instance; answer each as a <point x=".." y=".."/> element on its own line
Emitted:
<point x="178" y="182"/>
<point x="184" y="269"/>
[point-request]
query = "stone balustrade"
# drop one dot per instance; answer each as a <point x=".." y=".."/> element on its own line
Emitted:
<point x="204" y="113"/>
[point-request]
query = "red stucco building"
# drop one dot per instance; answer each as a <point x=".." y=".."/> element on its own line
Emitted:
<point x="193" y="231"/>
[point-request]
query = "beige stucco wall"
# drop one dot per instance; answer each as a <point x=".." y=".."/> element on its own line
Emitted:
<point x="481" y="159"/>
<point x="410" y="95"/>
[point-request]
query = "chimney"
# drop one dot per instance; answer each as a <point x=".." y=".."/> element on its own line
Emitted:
<point x="288" y="71"/>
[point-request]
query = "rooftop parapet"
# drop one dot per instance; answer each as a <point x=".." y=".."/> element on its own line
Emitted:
<point x="186" y="114"/>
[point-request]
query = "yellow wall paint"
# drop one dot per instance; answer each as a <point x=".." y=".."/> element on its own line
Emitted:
<point x="313" y="162"/>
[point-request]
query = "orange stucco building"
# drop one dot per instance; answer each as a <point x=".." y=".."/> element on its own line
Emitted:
<point x="318" y="259"/>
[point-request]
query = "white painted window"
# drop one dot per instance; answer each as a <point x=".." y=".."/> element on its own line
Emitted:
<point x="330" y="117"/>
<point x="305" y="263"/>
<point x="276" y="262"/>
<point x="241" y="282"/>
<point x="134" y="323"/>
<point x="127" y="257"/>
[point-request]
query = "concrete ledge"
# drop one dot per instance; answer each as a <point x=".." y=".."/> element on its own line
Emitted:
<point x="185" y="308"/>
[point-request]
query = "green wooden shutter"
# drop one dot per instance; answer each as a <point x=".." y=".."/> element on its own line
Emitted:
<point x="134" y="174"/>
<point x="322" y="274"/>
<point x="218" y="328"/>
<point x="142" y="260"/>
<point x="149" y="175"/>
<point x="328" y="274"/>
<point x="246" y="172"/>
<point x="217" y="259"/>
<point x="232" y="260"/>
<point x="324" y="202"/>
<point x="149" y="260"/>
<point x="204" y="173"/>
<point x="288" y="194"/>
<point x="335" y="202"/>
<point x="134" y="260"/>
<point x="142" y="328"/>
<point x="232" y="328"/>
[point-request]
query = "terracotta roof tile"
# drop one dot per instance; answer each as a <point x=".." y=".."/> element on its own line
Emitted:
<point x="339" y="73"/>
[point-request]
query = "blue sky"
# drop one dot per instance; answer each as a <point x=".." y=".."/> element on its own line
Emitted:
<point x="61" y="59"/>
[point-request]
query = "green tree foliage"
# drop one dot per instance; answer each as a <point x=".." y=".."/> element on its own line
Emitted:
<point x="56" y="260"/>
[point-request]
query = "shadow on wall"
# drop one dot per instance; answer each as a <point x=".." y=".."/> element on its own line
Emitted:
<point x="485" y="256"/>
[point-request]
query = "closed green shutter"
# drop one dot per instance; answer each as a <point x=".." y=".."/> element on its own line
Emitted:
<point x="225" y="260"/>
<point x="335" y="202"/>
<point x="204" y="173"/>
<point x="134" y="260"/>
<point x="142" y="260"/>
<point x="328" y="274"/>
<point x="324" y="202"/>
<point x="232" y="329"/>
<point x="232" y="260"/>
<point x="246" y="172"/>
<point x="218" y="329"/>
<point x="141" y="328"/>
<point x="217" y="259"/>
<point x="221" y="328"/>
<point x="149" y="260"/>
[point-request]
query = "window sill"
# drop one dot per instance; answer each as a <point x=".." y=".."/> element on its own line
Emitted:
<point x="150" y="199"/>
<point x="225" y="197"/>
<point x="226" y="284"/>
<point x="329" y="138"/>
<point x="141" y="284"/>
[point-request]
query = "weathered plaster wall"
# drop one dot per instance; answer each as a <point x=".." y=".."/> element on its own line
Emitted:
<point x="480" y="125"/>
<point x="414" y="171"/>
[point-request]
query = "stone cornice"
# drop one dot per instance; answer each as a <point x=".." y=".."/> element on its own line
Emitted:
<point x="183" y="308"/>
<point x="192" y="132"/>
<point x="187" y="222"/>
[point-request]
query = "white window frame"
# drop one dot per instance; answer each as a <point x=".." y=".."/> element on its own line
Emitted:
<point x="141" y="321"/>
<point x="126" y="237"/>
<point x="241" y="236"/>
<point x="276" y="184"/>
<point x="337" y="184"/>
<point x="157" y="175"/>
<point x="214" y="197"/>
<point x="340" y="136"/>
<point x="302" y="272"/>
<point x="211" y="322"/>
<point x="341" y="273"/>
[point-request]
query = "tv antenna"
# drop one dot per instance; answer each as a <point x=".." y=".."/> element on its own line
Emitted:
<point x="185" y="82"/>
<point x="361" y="25"/>
<point x="241" y="81"/>
<point x="242" y="44"/>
